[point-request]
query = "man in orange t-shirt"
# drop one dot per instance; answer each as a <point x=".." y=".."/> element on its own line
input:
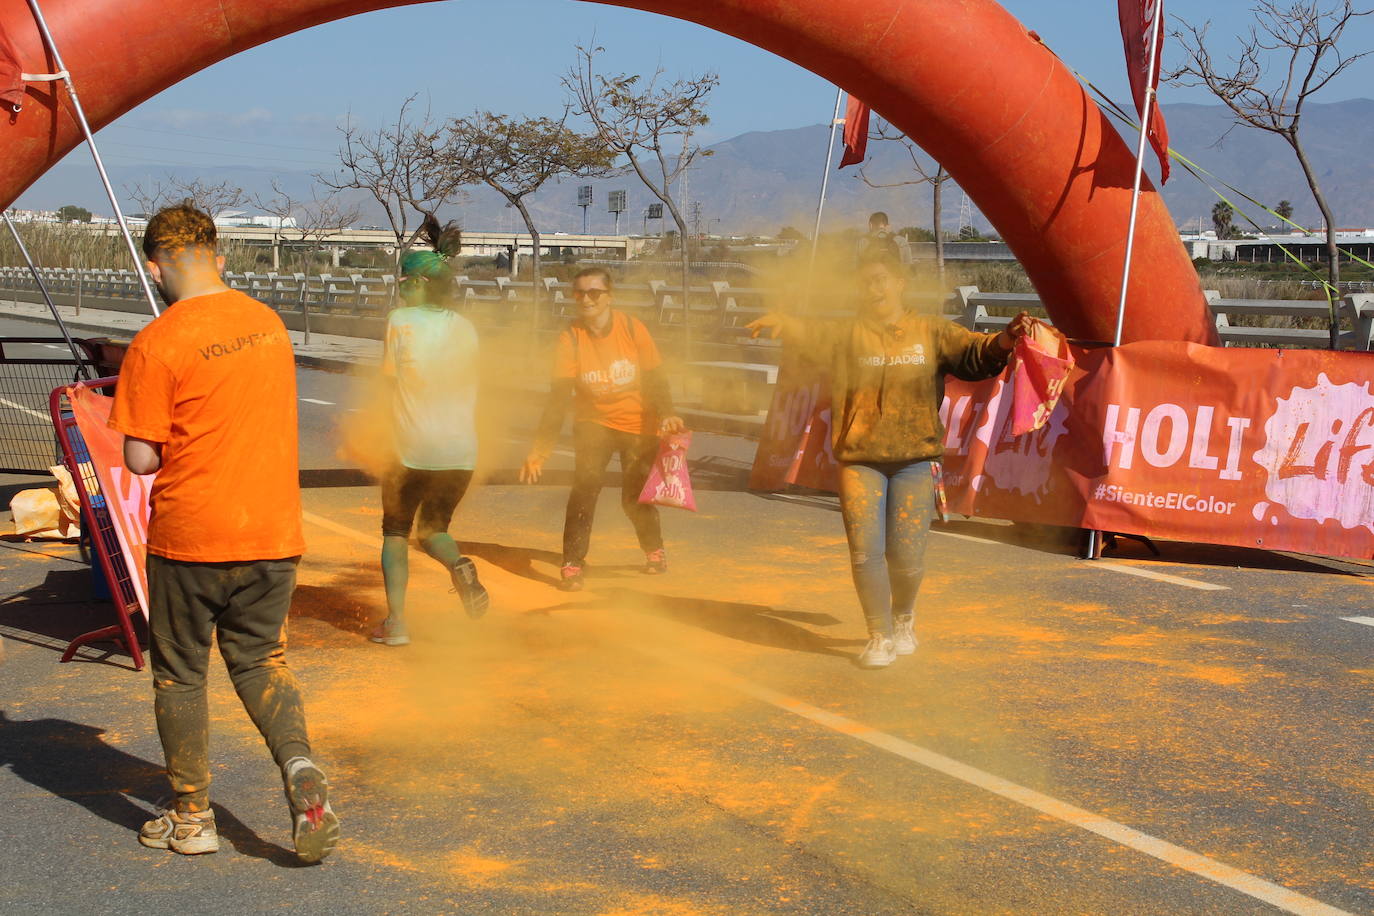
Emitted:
<point x="608" y="365"/>
<point x="207" y="400"/>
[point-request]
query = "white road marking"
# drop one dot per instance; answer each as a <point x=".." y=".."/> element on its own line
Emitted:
<point x="21" y="407"/>
<point x="318" y="401"/>
<point x="1367" y="621"/>
<point x="1158" y="576"/>
<point x="1185" y="859"/>
<point x="968" y="537"/>
<point x="366" y="539"/>
<point x="1117" y="567"/>
<point x="1210" y="869"/>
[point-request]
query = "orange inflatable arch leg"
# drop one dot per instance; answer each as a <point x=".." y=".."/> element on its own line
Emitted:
<point x="961" y="77"/>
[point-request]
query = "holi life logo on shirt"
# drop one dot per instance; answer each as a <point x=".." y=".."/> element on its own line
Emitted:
<point x="1319" y="455"/>
<point x="623" y="372"/>
<point x="620" y="374"/>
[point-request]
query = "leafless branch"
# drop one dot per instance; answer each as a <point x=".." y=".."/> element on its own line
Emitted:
<point x="1291" y="52"/>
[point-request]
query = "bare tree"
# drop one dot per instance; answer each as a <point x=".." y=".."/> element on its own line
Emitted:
<point x="395" y="165"/>
<point x="517" y="157"/>
<point x="1291" y="53"/>
<point x="213" y="198"/>
<point x="311" y="220"/>
<point x="653" y="124"/>
<point x="885" y="131"/>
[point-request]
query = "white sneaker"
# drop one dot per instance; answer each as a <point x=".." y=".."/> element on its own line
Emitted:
<point x="879" y="653"/>
<point x="314" y="825"/>
<point x="903" y="636"/>
<point x="188" y="834"/>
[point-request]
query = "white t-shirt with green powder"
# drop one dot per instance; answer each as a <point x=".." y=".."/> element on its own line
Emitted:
<point x="432" y="354"/>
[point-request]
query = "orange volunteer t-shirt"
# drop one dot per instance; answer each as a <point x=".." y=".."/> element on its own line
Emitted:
<point x="214" y="380"/>
<point x="608" y="371"/>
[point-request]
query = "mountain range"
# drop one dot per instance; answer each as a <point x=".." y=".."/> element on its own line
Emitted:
<point x="759" y="182"/>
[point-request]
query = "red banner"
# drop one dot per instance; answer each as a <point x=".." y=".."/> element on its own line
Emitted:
<point x="795" y="445"/>
<point x="1137" y="22"/>
<point x="856" y="117"/>
<point x="1249" y="447"/>
<point x="125" y="493"/>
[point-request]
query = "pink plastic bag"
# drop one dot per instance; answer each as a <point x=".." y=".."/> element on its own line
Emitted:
<point x="1041" y="364"/>
<point x="669" y="483"/>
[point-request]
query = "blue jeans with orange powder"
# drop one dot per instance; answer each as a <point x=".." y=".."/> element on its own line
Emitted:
<point x="887" y="511"/>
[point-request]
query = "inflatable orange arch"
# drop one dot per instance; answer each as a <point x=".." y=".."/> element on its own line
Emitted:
<point x="961" y="77"/>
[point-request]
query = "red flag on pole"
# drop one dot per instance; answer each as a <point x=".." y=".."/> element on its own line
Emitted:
<point x="1138" y="19"/>
<point x="855" y="132"/>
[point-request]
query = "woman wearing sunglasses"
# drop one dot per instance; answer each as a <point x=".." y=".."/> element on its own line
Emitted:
<point x="608" y="366"/>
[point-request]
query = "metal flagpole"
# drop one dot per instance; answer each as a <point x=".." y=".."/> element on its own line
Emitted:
<point x="825" y="186"/>
<point x="80" y="113"/>
<point x="52" y="307"/>
<point x="1139" y="165"/>
<point x="1135" y="200"/>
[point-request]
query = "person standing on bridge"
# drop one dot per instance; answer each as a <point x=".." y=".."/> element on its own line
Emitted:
<point x="207" y="400"/>
<point x="880" y="237"/>
<point x="430" y="363"/>
<point x="887" y="367"/>
<point x="606" y="363"/>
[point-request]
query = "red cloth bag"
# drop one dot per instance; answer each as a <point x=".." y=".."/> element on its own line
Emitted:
<point x="1040" y="365"/>
<point x="669" y="483"/>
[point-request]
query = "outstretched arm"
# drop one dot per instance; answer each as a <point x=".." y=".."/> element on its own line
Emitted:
<point x="814" y="340"/>
<point x="560" y="393"/>
<point x="971" y="356"/>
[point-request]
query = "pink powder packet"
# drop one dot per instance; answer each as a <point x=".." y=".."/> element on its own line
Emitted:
<point x="669" y="483"/>
<point x="1041" y="364"/>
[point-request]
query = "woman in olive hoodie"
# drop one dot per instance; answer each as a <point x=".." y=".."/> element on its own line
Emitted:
<point x="887" y="369"/>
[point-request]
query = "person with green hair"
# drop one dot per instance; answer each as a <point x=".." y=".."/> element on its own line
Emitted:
<point x="430" y="362"/>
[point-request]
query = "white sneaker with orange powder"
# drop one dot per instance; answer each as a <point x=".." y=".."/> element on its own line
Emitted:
<point x="191" y="834"/>
<point x="879" y="653"/>
<point x="315" y="826"/>
<point x="904" y="636"/>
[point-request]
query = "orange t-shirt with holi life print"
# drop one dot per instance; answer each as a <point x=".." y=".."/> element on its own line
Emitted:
<point x="608" y="371"/>
<point x="213" y="379"/>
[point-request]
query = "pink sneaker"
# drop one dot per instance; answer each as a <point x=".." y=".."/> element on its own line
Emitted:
<point x="570" y="578"/>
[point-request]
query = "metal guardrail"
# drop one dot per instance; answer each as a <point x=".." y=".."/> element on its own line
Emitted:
<point x="719" y="310"/>
<point x="1356" y="309"/>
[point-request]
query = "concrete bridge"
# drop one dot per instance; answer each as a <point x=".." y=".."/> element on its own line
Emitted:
<point x="475" y="242"/>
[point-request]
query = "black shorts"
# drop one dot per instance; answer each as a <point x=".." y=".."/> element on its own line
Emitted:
<point x="434" y="493"/>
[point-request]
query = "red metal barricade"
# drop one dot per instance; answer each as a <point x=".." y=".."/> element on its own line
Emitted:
<point x="105" y="544"/>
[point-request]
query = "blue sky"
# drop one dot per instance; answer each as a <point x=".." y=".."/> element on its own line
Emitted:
<point x="277" y="106"/>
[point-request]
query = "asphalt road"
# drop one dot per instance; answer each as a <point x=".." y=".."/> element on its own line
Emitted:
<point x="1184" y="735"/>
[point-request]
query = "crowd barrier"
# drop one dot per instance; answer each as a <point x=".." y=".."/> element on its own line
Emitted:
<point x="30" y="368"/>
<point x="1241" y="446"/>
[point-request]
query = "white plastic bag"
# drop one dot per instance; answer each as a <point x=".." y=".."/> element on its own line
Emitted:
<point x="50" y="513"/>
